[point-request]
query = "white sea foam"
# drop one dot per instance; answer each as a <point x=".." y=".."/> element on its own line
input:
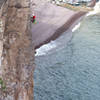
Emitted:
<point x="96" y="9"/>
<point x="43" y="50"/>
<point x="76" y="27"/>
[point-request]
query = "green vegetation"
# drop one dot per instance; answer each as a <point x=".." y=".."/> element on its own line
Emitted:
<point x="77" y="8"/>
<point x="2" y="85"/>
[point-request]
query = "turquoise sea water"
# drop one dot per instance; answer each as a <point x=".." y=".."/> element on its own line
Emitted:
<point x="71" y="71"/>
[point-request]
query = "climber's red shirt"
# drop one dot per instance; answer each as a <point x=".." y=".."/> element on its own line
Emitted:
<point x="34" y="17"/>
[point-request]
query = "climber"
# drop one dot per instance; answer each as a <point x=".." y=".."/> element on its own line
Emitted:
<point x="33" y="18"/>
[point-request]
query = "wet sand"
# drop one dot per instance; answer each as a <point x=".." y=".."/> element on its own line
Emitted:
<point x="52" y="21"/>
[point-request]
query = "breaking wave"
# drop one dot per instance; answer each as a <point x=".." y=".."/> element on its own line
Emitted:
<point x="96" y="9"/>
<point x="76" y="27"/>
<point x="43" y="50"/>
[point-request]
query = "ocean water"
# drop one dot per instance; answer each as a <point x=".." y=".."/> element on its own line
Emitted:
<point x="71" y="70"/>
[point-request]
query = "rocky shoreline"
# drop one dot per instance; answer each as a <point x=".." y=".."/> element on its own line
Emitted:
<point x="62" y="29"/>
<point x="52" y="21"/>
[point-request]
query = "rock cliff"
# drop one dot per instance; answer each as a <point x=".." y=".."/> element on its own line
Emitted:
<point x="16" y="51"/>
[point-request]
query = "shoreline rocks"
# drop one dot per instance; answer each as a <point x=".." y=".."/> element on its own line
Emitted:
<point x="51" y="21"/>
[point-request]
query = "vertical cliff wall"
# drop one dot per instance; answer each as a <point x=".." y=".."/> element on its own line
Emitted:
<point x="16" y="51"/>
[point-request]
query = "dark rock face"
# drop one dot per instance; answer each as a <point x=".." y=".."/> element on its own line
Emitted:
<point x="18" y="53"/>
<point x="18" y="5"/>
<point x="1" y="2"/>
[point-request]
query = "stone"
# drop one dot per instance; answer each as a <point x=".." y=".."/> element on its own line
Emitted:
<point x="17" y="52"/>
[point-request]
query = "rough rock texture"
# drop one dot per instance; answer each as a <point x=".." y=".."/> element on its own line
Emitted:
<point x="92" y="3"/>
<point x="1" y="2"/>
<point x="17" y="60"/>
